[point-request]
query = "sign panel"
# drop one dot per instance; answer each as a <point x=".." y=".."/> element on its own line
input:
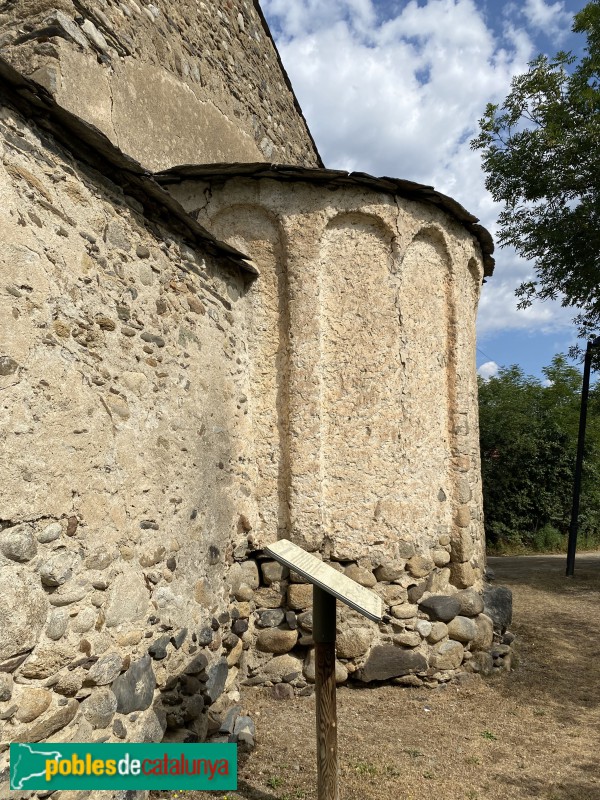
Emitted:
<point x="345" y="589"/>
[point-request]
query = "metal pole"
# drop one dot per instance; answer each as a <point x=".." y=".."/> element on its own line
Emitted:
<point x="572" y="546"/>
<point x="324" y="638"/>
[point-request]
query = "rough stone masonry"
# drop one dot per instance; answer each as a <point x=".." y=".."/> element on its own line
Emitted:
<point x="198" y="362"/>
<point x="168" y="83"/>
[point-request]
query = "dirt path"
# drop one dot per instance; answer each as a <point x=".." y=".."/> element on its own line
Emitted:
<point x="534" y="733"/>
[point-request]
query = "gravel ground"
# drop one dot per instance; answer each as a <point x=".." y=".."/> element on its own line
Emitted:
<point x="533" y="733"/>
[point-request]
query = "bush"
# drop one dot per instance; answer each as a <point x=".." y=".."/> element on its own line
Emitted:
<point x="528" y="434"/>
<point x="549" y="540"/>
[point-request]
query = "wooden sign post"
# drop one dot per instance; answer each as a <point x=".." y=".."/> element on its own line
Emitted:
<point x="328" y="585"/>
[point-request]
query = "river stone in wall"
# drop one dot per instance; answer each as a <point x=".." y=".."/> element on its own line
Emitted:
<point x="471" y="602"/>
<point x="447" y="655"/>
<point x="386" y="661"/>
<point x="134" y="689"/>
<point x="128" y="600"/>
<point x="462" y="629"/>
<point x="53" y="720"/>
<point x="276" y="640"/>
<point x="484" y="636"/>
<point x="441" y="608"/>
<point x="498" y="606"/>
<point x="46" y="661"/>
<point x="354" y="642"/>
<point x="23" y="608"/>
<point x="281" y="667"/>
<point x="18" y="543"/>
<point x="58" y="568"/>
<point x="100" y="707"/>
<point x="106" y="669"/>
<point x="217" y="677"/>
<point x="32" y="702"/>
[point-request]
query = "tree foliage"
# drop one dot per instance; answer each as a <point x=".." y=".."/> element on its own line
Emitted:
<point x="541" y="156"/>
<point x="528" y="431"/>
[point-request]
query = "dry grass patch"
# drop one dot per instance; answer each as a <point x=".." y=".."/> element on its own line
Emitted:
<point x="534" y="733"/>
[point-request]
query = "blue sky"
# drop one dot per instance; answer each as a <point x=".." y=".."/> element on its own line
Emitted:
<point x="395" y="87"/>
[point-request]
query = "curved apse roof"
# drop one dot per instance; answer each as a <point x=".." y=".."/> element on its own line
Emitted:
<point x="333" y="178"/>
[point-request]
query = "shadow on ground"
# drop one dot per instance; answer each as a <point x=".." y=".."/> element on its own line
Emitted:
<point x="533" y="733"/>
<point x="558" y="632"/>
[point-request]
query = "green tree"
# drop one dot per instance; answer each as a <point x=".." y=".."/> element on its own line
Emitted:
<point x="541" y="156"/>
<point x="528" y="431"/>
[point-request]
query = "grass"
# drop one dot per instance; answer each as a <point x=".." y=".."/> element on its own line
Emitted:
<point x="364" y="768"/>
<point x="392" y="771"/>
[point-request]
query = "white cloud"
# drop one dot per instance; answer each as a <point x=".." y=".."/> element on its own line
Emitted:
<point x="296" y="18"/>
<point x="488" y="370"/>
<point x="549" y="18"/>
<point x="402" y="96"/>
<point x="498" y="312"/>
<point x="398" y="98"/>
<point x="498" y="305"/>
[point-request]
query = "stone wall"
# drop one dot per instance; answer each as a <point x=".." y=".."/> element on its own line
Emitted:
<point x="125" y="480"/>
<point x="166" y="414"/>
<point x="363" y="397"/>
<point x="168" y="83"/>
<point x="363" y="409"/>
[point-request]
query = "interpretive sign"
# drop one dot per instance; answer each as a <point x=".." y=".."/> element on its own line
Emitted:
<point x="316" y="572"/>
<point x="328" y="584"/>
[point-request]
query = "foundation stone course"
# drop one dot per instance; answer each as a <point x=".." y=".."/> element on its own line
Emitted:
<point x="439" y="631"/>
<point x="440" y="608"/>
<point x="284" y="667"/>
<point x="276" y="640"/>
<point x="354" y="642"/>
<point x="447" y="655"/>
<point x="341" y="673"/>
<point x="498" y="606"/>
<point x="471" y="602"/>
<point x="484" y="635"/>
<point x="386" y="661"/>
<point x="405" y="611"/>
<point x="462" y="629"/>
